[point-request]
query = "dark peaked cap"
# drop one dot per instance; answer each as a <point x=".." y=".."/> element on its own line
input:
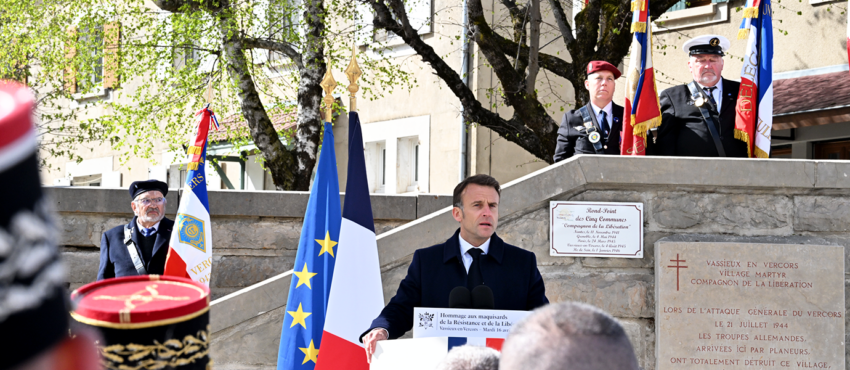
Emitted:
<point x="33" y="310"/>
<point x="141" y="187"/>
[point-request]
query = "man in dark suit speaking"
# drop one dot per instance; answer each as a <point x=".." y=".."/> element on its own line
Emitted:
<point x="140" y="247"/>
<point x="473" y="256"/>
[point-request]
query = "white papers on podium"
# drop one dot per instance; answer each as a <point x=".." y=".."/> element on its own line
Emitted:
<point x="409" y="354"/>
<point x="465" y="323"/>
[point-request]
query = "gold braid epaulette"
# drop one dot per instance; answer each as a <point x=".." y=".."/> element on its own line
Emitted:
<point x="171" y="353"/>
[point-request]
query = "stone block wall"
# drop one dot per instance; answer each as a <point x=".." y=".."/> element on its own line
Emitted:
<point x="721" y="200"/>
<point x="625" y="287"/>
<point x="255" y="235"/>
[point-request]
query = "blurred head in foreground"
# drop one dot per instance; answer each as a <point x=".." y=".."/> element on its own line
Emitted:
<point x="569" y="336"/>
<point x="470" y="358"/>
<point x="33" y="304"/>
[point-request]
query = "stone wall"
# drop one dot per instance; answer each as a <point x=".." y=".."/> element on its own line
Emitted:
<point x="255" y="234"/>
<point x="763" y="201"/>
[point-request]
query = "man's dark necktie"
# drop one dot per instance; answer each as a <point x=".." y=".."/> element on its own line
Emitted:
<point x="474" y="277"/>
<point x="603" y="123"/>
<point x="148" y="231"/>
<point x="710" y="92"/>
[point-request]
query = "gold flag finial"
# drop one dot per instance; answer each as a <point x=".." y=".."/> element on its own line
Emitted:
<point x="353" y="72"/>
<point x="329" y="84"/>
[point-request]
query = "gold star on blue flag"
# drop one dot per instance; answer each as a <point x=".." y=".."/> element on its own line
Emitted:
<point x="301" y="332"/>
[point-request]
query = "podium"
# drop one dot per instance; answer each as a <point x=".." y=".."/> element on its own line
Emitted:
<point x="437" y="330"/>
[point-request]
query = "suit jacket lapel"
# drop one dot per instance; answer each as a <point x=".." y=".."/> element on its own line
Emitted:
<point x="163" y="236"/>
<point x="727" y="98"/>
<point x="616" y="126"/>
<point x="134" y="235"/>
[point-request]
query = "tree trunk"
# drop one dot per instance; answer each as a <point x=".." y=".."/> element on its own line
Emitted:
<point x="280" y="162"/>
<point x="290" y="169"/>
<point x="310" y="94"/>
<point x="534" y="45"/>
<point x="601" y="34"/>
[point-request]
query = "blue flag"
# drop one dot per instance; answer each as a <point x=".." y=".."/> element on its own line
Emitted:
<point x="306" y="307"/>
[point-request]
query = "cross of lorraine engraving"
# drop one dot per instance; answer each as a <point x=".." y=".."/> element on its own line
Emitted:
<point x="678" y="267"/>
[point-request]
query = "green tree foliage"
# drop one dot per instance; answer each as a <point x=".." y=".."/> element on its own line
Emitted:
<point x="130" y="74"/>
<point x="600" y="31"/>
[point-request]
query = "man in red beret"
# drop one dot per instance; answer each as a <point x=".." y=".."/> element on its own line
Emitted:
<point x="595" y="127"/>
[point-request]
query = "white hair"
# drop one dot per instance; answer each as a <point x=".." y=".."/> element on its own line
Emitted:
<point x="470" y="358"/>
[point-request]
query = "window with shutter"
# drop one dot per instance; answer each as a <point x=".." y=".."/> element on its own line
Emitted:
<point x="419" y="14"/>
<point x="70" y="75"/>
<point x="283" y="19"/>
<point x="111" y="39"/>
<point x="690" y="13"/>
<point x="90" y="59"/>
<point x="687" y="4"/>
<point x="164" y="64"/>
<point x="15" y="67"/>
<point x="191" y="51"/>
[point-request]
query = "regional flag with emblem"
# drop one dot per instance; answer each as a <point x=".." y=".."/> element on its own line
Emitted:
<point x="301" y="335"/>
<point x="754" y="109"/>
<point x="642" y="110"/>
<point x="357" y="295"/>
<point x="190" y="248"/>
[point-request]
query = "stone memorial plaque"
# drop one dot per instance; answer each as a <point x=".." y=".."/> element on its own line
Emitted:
<point x="596" y="229"/>
<point x="749" y="306"/>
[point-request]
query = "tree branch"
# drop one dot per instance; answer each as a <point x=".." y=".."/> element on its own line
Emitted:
<point x="534" y="47"/>
<point x="513" y="130"/>
<point x="177" y="6"/>
<point x="563" y="24"/>
<point x="285" y="48"/>
<point x="554" y="64"/>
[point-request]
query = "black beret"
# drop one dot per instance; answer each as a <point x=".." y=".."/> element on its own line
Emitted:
<point x="141" y="187"/>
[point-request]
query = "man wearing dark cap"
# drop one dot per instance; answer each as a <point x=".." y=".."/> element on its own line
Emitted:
<point x="34" y="318"/>
<point x="698" y="118"/>
<point x="141" y="246"/>
<point x="594" y="128"/>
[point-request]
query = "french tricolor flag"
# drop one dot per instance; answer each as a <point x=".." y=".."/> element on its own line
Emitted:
<point x="190" y="248"/>
<point x="642" y="110"/>
<point x="494" y="343"/>
<point x="356" y="296"/>
<point x="754" y="108"/>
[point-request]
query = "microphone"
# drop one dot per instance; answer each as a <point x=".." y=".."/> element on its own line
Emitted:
<point x="460" y="298"/>
<point x="482" y="297"/>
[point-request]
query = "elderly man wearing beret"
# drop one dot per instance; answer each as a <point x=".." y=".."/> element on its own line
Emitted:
<point x="595" y="127"/>
<point x="141" y="246"/>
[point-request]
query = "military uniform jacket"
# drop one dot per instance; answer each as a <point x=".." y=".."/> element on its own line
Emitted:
<point x="683" y="131"/>
<point x="115" y="260"/>
<point x="572" y="136"/>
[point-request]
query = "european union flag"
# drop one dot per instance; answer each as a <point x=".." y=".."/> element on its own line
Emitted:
<point x="307" y="304"/>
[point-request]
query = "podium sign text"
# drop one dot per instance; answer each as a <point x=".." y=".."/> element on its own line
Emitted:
<point x="470" y="323"/>
<point x="596" y="229"/>
<point x="749" y="306"/>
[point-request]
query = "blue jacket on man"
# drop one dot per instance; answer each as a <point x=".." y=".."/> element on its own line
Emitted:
<point x="511" y="272"/>
<point x="115" y="260"/>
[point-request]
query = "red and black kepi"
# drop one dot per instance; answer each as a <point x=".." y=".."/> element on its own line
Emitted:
<point x="148" y="321"/>
<point x="33" y="309"/>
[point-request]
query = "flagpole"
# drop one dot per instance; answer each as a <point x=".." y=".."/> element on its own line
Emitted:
<point x="329" y="84"/>
<point x="353" y="72"/>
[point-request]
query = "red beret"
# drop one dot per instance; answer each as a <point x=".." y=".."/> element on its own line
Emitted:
<point x="601" y="65"/>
